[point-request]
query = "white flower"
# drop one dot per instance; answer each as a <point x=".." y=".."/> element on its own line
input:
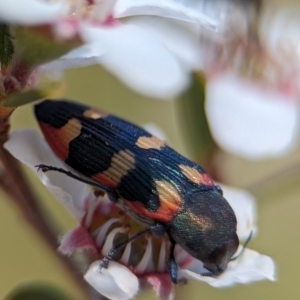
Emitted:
<point x="253" y="85"/>
<point x="101" y="222"/>
<point x="115" y="282"/>
<point x="153" y="55"/>
<point x="249" y="119"/>
<point x="279" y="31"/>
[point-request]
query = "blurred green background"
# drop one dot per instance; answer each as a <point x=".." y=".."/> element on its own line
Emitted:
<point x="24" y="257"/>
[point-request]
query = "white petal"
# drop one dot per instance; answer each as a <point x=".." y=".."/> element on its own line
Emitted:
<point x="243" y="204"/>
<point x="175" y="36"/>
<point x="115" y="282"/>
<point x="280" y="33"/>
<point x="80" y="57"/>
<point x="31" y="12"/>
<point x="189" y="12"/>
<point x="31" y="149"/>
<point x="229" y="17"/>
<point x="138" y="59"/>
<point x="155" y="130"/>
<point x="250" y="120"/>
<point x="251" y="266"/>
<point x="102" y="9"/>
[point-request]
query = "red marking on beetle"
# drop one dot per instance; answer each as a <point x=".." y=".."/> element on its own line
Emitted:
<point x="195" y="176"/>
<point x="60" y="138"/>
<point x="165" y="213"/>
<point x="205" y="179"/>
<point x="169" y="199"/>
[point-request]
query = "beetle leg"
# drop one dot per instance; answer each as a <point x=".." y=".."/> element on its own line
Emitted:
<point x="158" y="230"/>
<point x="212" y="274"/>
<point x="46" y="168"/>
<point x="172" y="265"/>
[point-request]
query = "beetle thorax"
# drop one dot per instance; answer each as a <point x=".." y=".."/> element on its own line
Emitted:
<point x="206" y="228"/>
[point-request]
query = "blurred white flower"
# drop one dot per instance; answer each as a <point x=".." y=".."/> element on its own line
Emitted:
<point x="151" y="55"/>
<point x="189" y="11"/>
<point x="253" y="84"/>
<point x="249" y="119"/>
<point x="155" y="130"/>
<point x="101" y="224"/>
<point x="279" y="32"/>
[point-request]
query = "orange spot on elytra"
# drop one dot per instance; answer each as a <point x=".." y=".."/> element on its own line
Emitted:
<point x="121" y="163"/>
<point x="94" y="113"/>
<point x="100" y="177"/>
<point x="151" y="142"/>
<point x="195" y="176"/>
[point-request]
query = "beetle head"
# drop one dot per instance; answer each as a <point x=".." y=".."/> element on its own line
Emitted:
<point x="217" y="260"/>
<point x="206" y="229"/>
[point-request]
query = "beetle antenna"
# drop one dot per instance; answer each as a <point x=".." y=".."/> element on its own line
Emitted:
<point x="243" y="248"/>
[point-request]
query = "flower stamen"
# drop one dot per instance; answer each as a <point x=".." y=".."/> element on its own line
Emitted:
<point x="109" y="242"/>
<point x="98" y="11"/>
<point x="92" y="206"/>
<point x="161" y="265"/>
<point x="101" y="232"/>
<point x="146" y="263"/>
<point x="126" y="254"/>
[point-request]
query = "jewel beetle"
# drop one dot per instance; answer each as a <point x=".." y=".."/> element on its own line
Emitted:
<point x="146" y="178"/>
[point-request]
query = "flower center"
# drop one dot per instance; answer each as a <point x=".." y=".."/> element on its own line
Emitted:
<point x="98" y="11"/>
<point x="109" y="226"/>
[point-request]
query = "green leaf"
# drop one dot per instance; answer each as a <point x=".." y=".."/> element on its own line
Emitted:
<point x="37" y="291"/>
<point x="37" y="45"/>
<point x="193" y="123"/>
<point x="6" y="46"/>
<point x="25" y="97"/>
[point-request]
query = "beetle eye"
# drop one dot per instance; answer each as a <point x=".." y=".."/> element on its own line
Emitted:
<point x="213" y="256"/>
<point x="220" y="191"/>
<point x="217" y="255"/>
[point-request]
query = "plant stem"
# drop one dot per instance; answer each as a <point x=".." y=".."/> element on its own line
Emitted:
<point x="14" y="183"/>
